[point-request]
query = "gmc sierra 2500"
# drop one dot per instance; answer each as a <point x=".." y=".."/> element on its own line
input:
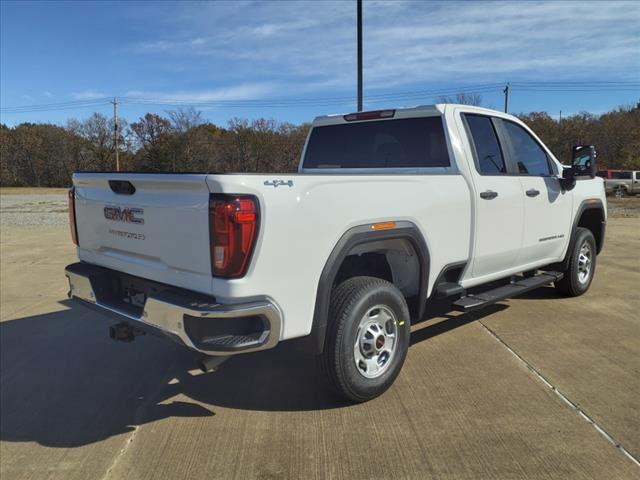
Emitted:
<point x="389" y="210"/>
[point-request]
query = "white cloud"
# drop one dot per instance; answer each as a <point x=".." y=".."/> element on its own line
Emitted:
<point x="303" y="46"/>
<point x="88" y="95"/>
<point x="47" y="94"/>
<point x="238" y="92"/>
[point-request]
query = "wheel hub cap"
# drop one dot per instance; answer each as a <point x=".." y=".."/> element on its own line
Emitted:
<point x="584" y="262"/>
<point x="376" y="341"/>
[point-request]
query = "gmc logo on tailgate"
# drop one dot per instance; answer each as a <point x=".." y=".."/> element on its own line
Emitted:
<point x="127" y="215"/>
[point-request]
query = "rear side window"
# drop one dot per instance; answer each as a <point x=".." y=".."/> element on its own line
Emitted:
<point x="529" y="156"/>
<point x="621" y="175"/>
<point x="489" y="156"/>
<point x="402" y="143"/>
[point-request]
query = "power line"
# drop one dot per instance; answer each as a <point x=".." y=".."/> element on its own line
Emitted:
<point x="412" y="95"/>
<point x="274" y="102"/>
<point x="53" y="107"/>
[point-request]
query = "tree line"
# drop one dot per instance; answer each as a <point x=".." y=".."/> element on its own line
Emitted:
<point x="46" y="155"/>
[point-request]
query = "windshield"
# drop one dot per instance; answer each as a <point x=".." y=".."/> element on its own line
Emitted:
<point x="402" y="143"/>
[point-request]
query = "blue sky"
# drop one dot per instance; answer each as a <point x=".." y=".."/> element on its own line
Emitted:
<point x="248" y="52"/>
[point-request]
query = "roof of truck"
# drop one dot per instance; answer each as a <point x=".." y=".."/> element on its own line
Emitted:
<point x="401" y="112"/>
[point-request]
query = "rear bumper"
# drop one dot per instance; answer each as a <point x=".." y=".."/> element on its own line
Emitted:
<point x="189" y="318"/>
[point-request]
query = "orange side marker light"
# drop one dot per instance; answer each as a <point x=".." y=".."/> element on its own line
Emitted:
<point x="383" y="226"/>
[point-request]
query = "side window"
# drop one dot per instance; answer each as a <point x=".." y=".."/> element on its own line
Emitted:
<point x="489" y="156"/>
<point x="530" y="158"/>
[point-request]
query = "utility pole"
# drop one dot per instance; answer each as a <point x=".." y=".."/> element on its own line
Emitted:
<point x="359" y="6"/>
<point x="115" y="132"/>
<point x="506" y="98"/>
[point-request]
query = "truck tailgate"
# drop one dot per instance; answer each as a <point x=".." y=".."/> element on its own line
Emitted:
<point x="159" y="232"/>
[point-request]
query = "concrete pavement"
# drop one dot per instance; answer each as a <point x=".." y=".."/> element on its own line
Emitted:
<point x="76" y="405"/>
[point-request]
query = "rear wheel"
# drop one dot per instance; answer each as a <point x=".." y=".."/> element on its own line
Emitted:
<point x="582" y="265"/>
<point x="368" y="337"/>
<point x="619" y="192"/>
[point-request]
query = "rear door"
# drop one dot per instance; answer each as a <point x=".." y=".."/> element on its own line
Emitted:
<point x="547" y="208"/>
<point x="154" y="226"/>
<point x="499" y="202"/>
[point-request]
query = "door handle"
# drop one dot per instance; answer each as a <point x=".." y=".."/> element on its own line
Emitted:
<point x="488" y="195"/>
<point x="533" y="192"/>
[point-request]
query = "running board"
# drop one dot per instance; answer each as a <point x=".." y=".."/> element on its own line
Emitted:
<point x="479" y="300"/>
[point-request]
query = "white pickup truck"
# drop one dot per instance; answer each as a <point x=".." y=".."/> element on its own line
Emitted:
<point x="390" y="209"/>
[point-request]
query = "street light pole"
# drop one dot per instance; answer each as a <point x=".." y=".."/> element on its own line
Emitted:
<point x="359" y="6"/>
<point x="115" y="133"/>
<point x="506" y="98"/>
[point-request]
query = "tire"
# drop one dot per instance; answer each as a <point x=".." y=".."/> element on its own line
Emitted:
<point x="359" y="364"/>
<point x="579" y="274"/>
<point x="619" y="192"/>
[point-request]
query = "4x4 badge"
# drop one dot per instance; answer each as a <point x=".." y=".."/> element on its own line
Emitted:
<point x="278" y="183"/>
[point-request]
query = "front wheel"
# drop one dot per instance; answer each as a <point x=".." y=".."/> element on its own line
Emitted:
<point x="582" y="265"/>
<point x="367" y="339"/>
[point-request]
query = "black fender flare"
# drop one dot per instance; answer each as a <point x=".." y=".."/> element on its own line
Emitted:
<point x="589" y="204"/>
<point x="351" y="238"/>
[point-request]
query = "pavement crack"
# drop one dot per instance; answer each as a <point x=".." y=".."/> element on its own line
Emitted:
<point x="137" y="420"/>
<point x="122" y="451"/>
<point x="564" y="398"/>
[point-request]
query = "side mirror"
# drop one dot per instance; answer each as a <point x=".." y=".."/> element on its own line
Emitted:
<point x="583" y="161"/>
<point x="568" y="180"/>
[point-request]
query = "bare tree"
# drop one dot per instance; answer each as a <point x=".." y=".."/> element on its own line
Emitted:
<point x="462" y="98"/>
<point x="98" y="133"/>
<point x="184" y="119"/>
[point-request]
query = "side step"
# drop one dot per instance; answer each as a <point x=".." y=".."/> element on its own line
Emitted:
<point x="449" y="289"/>
<point x="479" y="300"/>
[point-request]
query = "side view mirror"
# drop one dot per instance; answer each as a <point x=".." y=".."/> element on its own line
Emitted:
<point x="568" y="180"/>
<point x="583" y="161"/>
<point x="583" y="164"/>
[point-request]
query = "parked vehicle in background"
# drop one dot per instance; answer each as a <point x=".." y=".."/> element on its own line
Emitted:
<point x="622" y="183"/>
<point x="390" y="209"/>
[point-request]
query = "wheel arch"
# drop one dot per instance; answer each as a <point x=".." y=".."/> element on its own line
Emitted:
<point x="357" y="238"/>
<point x="590" y="215"/>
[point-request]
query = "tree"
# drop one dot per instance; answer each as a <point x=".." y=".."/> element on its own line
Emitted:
<point x="184" y="119"/>
<point x="153" y="135"/>
<point x="98" y="148"/>
<point x="151" y="129"/>
<point x="462" y="98"/>
<point x="47" y="155"/>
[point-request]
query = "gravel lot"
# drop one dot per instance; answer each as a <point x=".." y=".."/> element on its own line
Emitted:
<point x="33" y="209"/>
<point x="51" y="209"/>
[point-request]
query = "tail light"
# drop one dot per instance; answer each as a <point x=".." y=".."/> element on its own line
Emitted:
<point x="71" y="201"/>
<point x="233" y="228"/>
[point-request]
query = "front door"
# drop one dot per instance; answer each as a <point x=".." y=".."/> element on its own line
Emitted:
<point x="547" y="208"/>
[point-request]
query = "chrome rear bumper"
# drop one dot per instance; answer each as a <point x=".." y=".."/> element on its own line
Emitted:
<point x="182" y="315"/>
